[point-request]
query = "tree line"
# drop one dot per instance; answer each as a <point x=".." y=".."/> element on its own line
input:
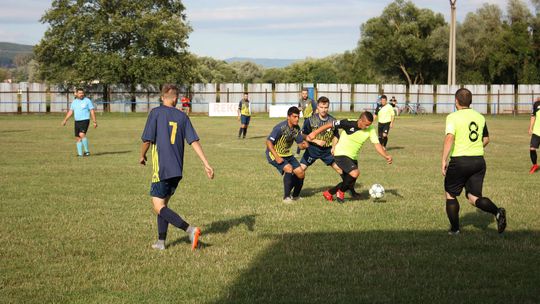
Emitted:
<point x="145" y="42"/>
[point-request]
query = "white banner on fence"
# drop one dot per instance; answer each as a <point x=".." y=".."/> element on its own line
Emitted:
<point x="222" y="109"/>
<point x="280" y="110"/>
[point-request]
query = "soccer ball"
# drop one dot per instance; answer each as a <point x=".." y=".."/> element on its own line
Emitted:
<point x="376" y="191"/>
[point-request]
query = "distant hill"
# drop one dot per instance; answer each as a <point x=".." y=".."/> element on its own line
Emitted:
<point x="265" y="62"/>
<point x="8" y="51"/>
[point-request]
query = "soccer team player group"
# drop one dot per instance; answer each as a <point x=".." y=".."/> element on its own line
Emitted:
<point x="337" y="143"/>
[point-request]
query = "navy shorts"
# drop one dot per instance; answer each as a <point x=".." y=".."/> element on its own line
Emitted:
<point x="535" y="141"/>
<point x="164" y="188"/>
<point x="81" y="126"/>
<point x="313" y="153"/>
<point x="286" y="160"/>
<point x="346" y="163"/>
<point x="465" y="171"/>
<point x="245" y="119"/>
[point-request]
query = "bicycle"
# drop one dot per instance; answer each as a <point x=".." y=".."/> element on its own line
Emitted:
<point x="413" y="109"/>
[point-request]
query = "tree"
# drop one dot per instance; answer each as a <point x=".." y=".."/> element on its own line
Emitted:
<point x="397" y="42"/>
<point x="247" y="71"/>
<point x="115" y="41"/>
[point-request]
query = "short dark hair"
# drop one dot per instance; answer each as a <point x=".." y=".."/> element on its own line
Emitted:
<point x="464" y="97"/>
<point x="384" y="97"/>
<point x="293" y="110"/>
<point x="166" y="90"/>
<point x="367" y="115"/>
<point x="79" y="89"/>
<point x="305" y="90"/>
<point x="323" y="99"/>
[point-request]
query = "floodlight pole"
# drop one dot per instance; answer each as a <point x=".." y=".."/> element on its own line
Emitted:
<point x="452" y="45"/>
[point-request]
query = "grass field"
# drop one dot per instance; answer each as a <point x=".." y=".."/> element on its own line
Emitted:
<point x="79" y="230"/>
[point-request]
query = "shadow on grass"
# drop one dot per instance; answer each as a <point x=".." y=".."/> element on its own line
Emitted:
<point x="394" y="148"/>
<point x="392" y="267"/>
<point x="110" y="153"/>
<point x="255" y="137"/>
<point x="220" y="227"/>
<point x="13" y="131"/>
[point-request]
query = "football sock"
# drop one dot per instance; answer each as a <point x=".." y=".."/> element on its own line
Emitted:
<point x="485" y="204"/>
<point x="334" y="189"/>
<point x="287" y="184"/>
<point x="352" y="182"/>
<point x="162" y="226"/>
<point x="240" y="131"/>
<point x="85" y="144"/>
<point x="347" y="181"/>
<point x="189" y="229"/>
<point x="452" y="211"/>
<point x="298" y="184"/>
<point x="79" y="148"/>
<point x="534" y="157"/>
<point x="245" y="131"/>
<point x="173" y="218"/>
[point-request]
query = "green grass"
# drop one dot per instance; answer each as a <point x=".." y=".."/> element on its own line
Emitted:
<point x="79" y="230"/>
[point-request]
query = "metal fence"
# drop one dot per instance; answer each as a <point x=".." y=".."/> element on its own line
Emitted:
<point x="488" y="99"/>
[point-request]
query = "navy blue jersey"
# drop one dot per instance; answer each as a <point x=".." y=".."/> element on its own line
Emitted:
<point x="313" y="123"/>
<point x="167" y="128"/>
<point x="282" y="137"/>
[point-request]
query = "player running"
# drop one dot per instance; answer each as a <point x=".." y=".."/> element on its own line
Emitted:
<point x="466" y="136"/>
<point x="351" y="140"/>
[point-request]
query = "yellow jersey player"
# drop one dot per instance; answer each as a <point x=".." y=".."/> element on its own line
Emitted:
<point x="466" y="136"/>
<point x="385" y="116"/>
<point x="244" y="115"/>
<point x="534" y="131"/>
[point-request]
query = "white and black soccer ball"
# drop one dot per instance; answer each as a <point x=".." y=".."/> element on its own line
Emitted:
<point x="376" y="191"/>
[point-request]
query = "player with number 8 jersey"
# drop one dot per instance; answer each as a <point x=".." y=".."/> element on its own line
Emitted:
<point x="466" y="136"/>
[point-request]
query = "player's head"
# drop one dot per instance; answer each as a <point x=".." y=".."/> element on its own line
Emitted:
<point x="384" y="99"/>
<point x="79" y="93"/>
<point x="246" y="96"/>
<point x="293" y="115"/>
<point x="304" y="93"/>
<point x="322" y="106"/>
<point x="169" y="94"/>
<point x="365" y="120"/>
<point x="463" y="97"/>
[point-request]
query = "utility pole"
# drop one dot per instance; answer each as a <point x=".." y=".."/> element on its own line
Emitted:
<point x="452" y="45"/>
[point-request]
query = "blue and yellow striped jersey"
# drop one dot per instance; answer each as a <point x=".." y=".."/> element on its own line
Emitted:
<point x="283" y="137"/>
<point x="314" y="122"/>
<point x="167" y="128"/>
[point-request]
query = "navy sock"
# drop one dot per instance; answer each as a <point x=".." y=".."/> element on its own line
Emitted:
<point x="298" y="184"/>
<point x="452" y="211"/>
<point x="173" y="218"/>
<point x="485" y="204"/>
<point x="162" y="227"/>
<point x="287" y="184"/>
<point x="245" y="131"/>
<point x="240" y="131"/>
<point x="534" y="157"/>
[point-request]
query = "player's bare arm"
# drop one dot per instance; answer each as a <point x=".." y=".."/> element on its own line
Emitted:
<point x="93" y="115"/>
<point x="196" y="145"/>
<point x="380" y="149"/>
<point x="68" y="115"/>
<point x="144" y="148"/>
<point x="314" y="133"/>
<point x="447" y="146"/>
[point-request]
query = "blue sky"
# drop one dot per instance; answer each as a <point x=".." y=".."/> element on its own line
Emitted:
<point x="293" y="29"/>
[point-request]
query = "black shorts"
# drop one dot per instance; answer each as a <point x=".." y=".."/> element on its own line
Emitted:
<point x="81" y="126"/>
<point x="346" y="163"/>
<point x="384" y="128"/>
<point x="535" y="141"/>
<point x="465" y="171"/>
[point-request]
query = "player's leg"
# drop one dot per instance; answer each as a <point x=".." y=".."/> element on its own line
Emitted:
<point x="287" y="181"/>
<point x="454" y="182"/>
<point x="386" y="130"/>
<point x="241" y="130"/>
<point x="298" y="182"/>
<point x="246" y="124"/>
<point x="474" y="194"/>
<point x="78" y="139"/>
<point x="535" y="144"/>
